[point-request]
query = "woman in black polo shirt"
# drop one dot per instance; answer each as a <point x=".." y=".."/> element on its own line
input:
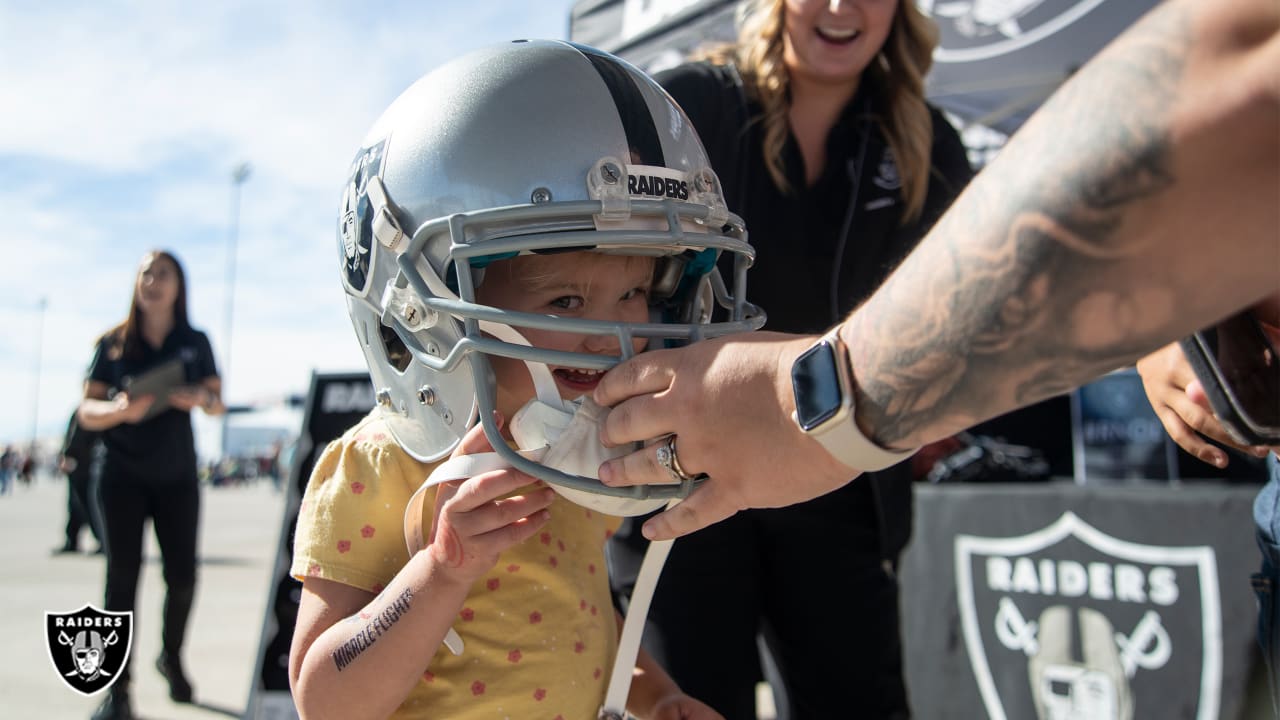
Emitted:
<point x="150" y="466"/>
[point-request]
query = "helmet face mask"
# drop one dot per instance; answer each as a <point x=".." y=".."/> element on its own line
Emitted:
<point x="538" y="148"/>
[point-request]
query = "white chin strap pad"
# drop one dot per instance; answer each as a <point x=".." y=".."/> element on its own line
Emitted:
<point x="572" y="445"/>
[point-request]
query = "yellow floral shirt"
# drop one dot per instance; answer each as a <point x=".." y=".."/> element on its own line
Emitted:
<point x="539" y="628"/>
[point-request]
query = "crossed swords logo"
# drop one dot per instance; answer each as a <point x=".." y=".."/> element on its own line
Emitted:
<point x="1147" y="647"/>
<point x="89" y="666"/>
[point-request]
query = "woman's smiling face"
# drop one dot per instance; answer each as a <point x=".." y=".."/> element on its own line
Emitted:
<point x="157" y="284"/>
<point x="833" y="41"/>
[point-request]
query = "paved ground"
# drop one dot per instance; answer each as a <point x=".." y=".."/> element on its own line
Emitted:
<point x="240" y="529"/>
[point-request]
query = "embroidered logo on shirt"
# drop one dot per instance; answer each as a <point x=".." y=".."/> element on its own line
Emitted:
<point x="887" y="176"/>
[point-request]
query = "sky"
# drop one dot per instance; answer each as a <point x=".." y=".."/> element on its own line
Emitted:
<point x="121" y="124"/>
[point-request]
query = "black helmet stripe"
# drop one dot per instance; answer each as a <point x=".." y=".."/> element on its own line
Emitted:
<point x="637" y="120"/>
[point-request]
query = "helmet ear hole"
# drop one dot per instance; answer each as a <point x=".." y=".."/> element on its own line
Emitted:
<point x="398" y="356"/>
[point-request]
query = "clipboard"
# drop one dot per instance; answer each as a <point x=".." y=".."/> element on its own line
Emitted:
<point x="157" y="381"/>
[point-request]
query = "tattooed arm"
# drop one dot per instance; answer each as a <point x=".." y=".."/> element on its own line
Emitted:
<point x="1141" y="202"/>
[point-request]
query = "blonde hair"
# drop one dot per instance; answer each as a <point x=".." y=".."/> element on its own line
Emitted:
<point x="897" y="73"/>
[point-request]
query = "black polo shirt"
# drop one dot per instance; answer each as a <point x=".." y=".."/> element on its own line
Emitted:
<point x="820" y="250"/>
<point x="162" y="447"/>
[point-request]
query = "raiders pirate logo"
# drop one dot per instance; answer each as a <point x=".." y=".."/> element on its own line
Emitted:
<point x="88" y="647"/>
<point x="355" y="226"/>
<point x="1069" y="623"/>
<point x="972" y="30"/>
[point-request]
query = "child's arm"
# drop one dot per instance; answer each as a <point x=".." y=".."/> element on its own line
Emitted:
<point x="355" y="655"/>
<point x="655" y="696"/>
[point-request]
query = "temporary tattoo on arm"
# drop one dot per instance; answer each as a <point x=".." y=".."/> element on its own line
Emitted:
<point x="1028" y="287"/>
<point x="369" y="634"/>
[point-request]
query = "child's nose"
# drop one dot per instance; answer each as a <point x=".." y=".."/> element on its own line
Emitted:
<point x="602" y="344"/>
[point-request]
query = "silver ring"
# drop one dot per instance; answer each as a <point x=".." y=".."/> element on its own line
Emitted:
<point x="671" y="463"/>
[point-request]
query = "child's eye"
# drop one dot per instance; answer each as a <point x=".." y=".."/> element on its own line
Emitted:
<point x="567" y="302"/>
<point x="636" y="292"/>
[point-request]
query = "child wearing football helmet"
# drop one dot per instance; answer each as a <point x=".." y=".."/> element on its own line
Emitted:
<point x="518" y="221"/>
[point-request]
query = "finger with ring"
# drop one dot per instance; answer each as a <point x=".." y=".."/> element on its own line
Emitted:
<point x="670" y="462"/>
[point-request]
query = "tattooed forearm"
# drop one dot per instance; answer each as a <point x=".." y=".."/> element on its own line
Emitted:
<point x="1040" y="292"/>
<point x="380" y="623"/>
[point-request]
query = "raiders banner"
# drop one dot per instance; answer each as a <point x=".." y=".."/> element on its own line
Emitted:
<point x="1059" y="602"/>
<point x="335" y="402"/>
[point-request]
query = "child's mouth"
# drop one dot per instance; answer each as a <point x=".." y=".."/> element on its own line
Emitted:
<point x="581" y="381"/>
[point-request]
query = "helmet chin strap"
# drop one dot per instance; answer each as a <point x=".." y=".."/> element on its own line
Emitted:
<point x="544" y="385"/>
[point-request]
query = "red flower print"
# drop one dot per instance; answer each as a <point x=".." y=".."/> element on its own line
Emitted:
<point x="545" y="538"/>
<point x="553" y="561"/>
<point x="477" y="688"/>
<point x="560" y="544"/>
<point x="593" y="609"/>
<point x="344" y="546"/>
<point x="429" y="676"/>
<point x="514" y="656"/>
<point x="313" y="570"/>
<point x="579" y="646"/>
<point x="588" y="511"/>
<point x="608" y="533"/>
<point x="513" y="568"/>
<point x="591" y="568"/>
<point x="539" y="694"/>
<point x="596" y="674"/>
<point x="558" y="717"/>
<point x="535" y="617"/>
<point x="357" y="487"/>
<point x="582" y="604"/>
<point x="492" y="584"/>
<point x="468" y="614"/>
<point x="366" y="531"/>
<point x="379" y="588"/>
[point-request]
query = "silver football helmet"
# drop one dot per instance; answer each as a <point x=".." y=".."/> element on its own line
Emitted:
<point x="527" y="147"/>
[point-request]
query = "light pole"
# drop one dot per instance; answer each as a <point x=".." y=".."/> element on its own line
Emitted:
<point x="238" y="177"/>
<point x="35" y="405"/>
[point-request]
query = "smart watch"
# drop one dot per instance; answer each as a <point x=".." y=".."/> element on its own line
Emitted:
<point x="823" y="389"/>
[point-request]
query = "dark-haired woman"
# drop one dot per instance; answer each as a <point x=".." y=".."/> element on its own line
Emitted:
<point x="149" y="469"/>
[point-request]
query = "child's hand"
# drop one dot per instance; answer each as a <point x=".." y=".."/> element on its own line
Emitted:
<point x="682" y="707"/>
<point x="473" y="520"/>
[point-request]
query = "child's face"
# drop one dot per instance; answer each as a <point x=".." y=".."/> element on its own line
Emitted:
<point x="585" y="285"/>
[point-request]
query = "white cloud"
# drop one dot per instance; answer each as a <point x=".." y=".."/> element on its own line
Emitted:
<point x="121" y="127"/>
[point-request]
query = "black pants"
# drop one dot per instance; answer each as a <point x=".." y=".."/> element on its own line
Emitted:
<point x="173" y="506"/>
<point x="81" y="510"/>
<point x="811" y="578"/>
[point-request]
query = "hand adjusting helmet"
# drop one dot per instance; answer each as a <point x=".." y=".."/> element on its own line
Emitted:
<point x="526" y="147"/>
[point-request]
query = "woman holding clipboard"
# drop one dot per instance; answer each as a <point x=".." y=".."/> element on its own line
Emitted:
<point x="148" y="373"/>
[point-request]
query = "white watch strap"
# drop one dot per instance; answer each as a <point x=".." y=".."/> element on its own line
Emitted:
<point x="846" y="443"/>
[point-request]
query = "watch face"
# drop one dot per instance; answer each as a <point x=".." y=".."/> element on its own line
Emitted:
<point x="816" y="383"/>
